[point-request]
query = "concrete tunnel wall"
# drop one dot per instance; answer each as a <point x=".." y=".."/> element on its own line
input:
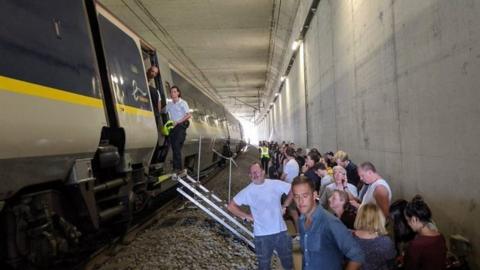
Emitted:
<point x="395" y="83"/>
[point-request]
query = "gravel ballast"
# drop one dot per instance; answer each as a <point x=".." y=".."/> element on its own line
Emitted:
<point x="186" y="238"/>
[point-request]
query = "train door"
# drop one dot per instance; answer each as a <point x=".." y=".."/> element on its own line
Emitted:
<point x="157" y="90"/>
<point x="127" y="78"/>
<point x="158" y="100"/>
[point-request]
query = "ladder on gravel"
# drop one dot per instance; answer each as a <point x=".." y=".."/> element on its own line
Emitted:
<point x="213" y="206"/>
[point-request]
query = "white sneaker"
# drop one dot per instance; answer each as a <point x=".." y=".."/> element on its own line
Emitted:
<point x="296" y="238"/>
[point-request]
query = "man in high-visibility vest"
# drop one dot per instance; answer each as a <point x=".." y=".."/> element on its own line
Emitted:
<point x="264" y="157"/>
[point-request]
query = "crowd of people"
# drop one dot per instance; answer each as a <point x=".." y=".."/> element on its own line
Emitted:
<point x="340" y="211"/>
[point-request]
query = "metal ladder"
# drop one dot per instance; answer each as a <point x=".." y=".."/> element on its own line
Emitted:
<point x="212" y="205"/>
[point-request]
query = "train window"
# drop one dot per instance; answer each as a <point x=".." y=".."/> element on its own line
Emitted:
<point x="125" y="65"/>
<point x="32" y="50"/>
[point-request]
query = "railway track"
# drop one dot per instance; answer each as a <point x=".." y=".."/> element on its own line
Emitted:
<point x="103" y="254"/>
<point x="107" y="251"/>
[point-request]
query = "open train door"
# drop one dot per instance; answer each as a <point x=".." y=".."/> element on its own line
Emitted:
<point x="158" y="99"/>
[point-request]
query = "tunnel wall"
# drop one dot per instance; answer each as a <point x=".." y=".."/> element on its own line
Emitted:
<point x="395" y="83"/>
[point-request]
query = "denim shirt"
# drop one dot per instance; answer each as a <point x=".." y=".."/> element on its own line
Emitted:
<point x="327" y="242"/>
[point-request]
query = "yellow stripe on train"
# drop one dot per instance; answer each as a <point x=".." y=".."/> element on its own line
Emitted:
<point x="37" y="90"/>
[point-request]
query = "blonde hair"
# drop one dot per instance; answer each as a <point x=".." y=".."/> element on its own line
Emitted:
<point x="342" y="170"/>
<point x="370" y="218"/>
<point x="342" y="155"/>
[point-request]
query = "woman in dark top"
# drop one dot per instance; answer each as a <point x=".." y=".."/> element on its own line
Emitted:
<point x="427" y="251"/>
<point x="341" y="208"/>
<point x="371" y="235"/>
<point x="308" y="171"/>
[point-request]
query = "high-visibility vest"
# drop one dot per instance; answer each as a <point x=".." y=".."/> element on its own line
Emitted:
<point x="264" y="153"/>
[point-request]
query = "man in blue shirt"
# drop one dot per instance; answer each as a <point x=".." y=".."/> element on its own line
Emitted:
<point x="324" y="240"/>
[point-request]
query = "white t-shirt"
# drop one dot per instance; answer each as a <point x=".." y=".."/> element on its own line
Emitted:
<point x="265" y="205"/>
<point x="326" y="180"/>
<point x="369" y="198"/>
<point x="291" y="170"/>
<point x="177" y="110"/>
<point x="351" y="188"/>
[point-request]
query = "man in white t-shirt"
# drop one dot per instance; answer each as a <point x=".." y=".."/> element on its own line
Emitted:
<point x="263" y="198"/>
<point x="291" y="168"/>
<point x="290" y="171"/>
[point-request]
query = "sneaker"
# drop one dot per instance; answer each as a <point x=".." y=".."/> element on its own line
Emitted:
<point x="296" y="238"/>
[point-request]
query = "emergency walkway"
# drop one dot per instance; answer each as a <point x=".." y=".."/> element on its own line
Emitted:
<point x="213" y="206"/>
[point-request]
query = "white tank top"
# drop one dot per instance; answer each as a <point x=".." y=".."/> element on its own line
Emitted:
<point x="369" y="198"/>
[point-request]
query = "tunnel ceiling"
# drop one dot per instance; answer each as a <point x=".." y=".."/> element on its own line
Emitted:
<point x="230" y="49"/>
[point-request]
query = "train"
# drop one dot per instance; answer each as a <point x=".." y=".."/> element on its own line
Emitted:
<point x="81" y="149"/>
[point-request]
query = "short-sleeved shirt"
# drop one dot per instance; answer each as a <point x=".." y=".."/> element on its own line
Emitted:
<point x="426" y="252"/>
<point x="177" y="110"/>
<point x="327" y="242"/>
<point x="291" y="169"/>
<point x="379" y="252"/>
<point x="265" y="205"/>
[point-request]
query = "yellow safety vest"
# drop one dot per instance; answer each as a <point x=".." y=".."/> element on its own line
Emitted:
<point x="264" y="154"/>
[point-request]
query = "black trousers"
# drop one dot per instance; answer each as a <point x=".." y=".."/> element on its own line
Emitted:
<point x="265" y="164"/>
<point x="177" y="138"/>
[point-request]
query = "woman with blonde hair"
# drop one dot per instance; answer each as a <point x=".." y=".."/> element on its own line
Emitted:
<point x="371" y="235"/>
<point x="340" y="182"/>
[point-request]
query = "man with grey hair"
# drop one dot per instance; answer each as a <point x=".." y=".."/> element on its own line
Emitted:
<point x="270" y="231"/>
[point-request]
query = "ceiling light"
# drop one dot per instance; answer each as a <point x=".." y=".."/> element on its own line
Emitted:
<point x="282" y="78"/>
<point x="276" y="94"/>
<point x="295" y="44"/>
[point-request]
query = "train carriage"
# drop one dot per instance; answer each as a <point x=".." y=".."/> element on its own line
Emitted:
<point x="80" y="149"/>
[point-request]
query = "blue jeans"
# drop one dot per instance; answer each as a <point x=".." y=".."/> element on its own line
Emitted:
<point x="265" y="245"/>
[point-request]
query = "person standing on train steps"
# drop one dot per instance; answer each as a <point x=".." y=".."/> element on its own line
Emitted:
<point x="270" y="231"/>
<point x="264" y="156"/>
<point x="179" y="113"/>
<point x="153" y="72"/>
